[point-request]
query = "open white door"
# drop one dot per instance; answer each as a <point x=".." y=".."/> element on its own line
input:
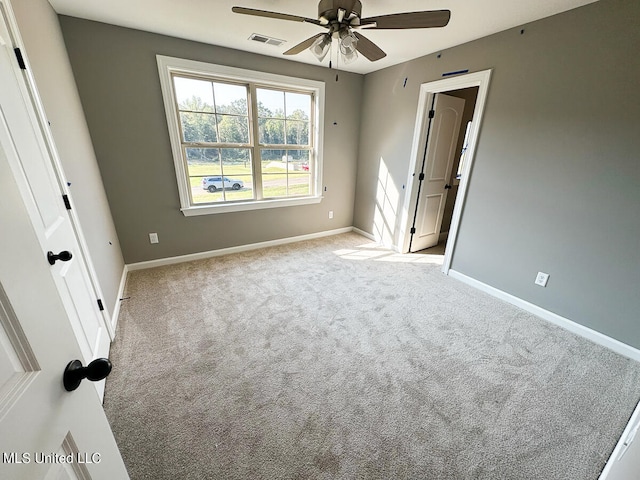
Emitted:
<point x="31" y="164"/>
<point x="47" y="314"/>
<point x="435" y="170"/>
<point x="46" y="432"/>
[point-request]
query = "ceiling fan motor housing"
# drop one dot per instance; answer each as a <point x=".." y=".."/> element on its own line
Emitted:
<point x="328" y="9"/>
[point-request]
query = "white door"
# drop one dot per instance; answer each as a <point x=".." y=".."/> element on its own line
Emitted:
<point x="45" y="431"/>
<point x="438" y="161"/>
<point x="31" y="164"/>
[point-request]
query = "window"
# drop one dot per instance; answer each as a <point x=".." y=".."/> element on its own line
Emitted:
<point x="242" y="139"/>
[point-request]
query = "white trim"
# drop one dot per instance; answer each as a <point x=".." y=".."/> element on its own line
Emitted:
<point x="585" y="332"/>
<point x="167" y="65"/>
<point x="226" y="251"/>
<point x="370" y="236"/>
<point x="427" y="91"/>
<point x="624" y="444"/>
<point x="116" y="307"/>
<point x="244" y="206"/>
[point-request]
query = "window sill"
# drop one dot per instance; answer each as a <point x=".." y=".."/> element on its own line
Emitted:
<point x="246" y="206"/>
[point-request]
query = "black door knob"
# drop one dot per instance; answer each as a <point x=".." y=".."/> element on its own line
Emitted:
<point x="63" y="256"/>
<point x="97" y="370"/>
<point x="447" y="187"/>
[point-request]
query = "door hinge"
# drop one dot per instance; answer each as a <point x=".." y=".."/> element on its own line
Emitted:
<point x="67" y="203"/>
<point x="413" y="230"/>
<point x="21" y="63"/>
<point x="421" y="176"/>
<point x="100" y="306"/>
<point x="432" y="113"/>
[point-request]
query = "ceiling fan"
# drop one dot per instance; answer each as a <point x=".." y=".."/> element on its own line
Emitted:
<point x="342" y="18"/>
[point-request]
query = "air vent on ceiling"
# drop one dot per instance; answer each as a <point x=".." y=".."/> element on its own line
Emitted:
<point x="264" y="39"/>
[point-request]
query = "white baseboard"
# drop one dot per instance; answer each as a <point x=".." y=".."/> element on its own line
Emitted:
<point x="116" y="308"/>
<point x="586" y="332"/>
<point x="226" y="251"/>
<point x="364" y="234"/>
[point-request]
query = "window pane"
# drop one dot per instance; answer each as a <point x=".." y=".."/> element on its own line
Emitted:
<point x="203" y="189"/>
<point x="297" y="133"/>
<point x="300" y="160"/>
<point x="202" y="164"/>
<point x="231" y="98"/>
<point x="198" y="127"/>
<point x="270" y="103"/>
<point x="207" y="157"/>
<point x="236" y="161"/>
<point x="238" y="173"/>
<point x="268" y="155"/>
<point x="233" y="129"/>
<point x="276" y="161"/>
<point x="193" y="95"/>
<point x="299" y="184"/>
<point x="285" y="172"/>
<point x="271" y="131"/>
<point x="298" y="105"/>
<point x="245" y="192"/>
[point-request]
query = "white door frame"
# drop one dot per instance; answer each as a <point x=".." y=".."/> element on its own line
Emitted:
<point x="14" y="31"/>
<point x="427" y="92"/>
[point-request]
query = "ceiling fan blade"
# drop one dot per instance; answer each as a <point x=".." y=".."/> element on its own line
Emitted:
<point x="369" y="49"/>
<point x="302" y="46"/>
<point x="279" y="16"/>
<point x="430" y="19"/>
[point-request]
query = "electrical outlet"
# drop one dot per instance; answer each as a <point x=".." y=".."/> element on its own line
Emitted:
<point x="330" y="213"/>
<point x="153" y="238"/>
<point x="542" y="279"/>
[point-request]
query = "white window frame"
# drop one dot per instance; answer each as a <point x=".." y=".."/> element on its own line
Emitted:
<point x="169" y="65"/>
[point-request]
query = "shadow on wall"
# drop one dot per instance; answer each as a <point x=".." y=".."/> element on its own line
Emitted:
<point x="387" y="203"/>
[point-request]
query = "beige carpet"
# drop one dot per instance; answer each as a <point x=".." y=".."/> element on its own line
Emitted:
<point x="335" y="359"/>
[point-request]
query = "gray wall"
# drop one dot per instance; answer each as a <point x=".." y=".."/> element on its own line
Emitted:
<point x="117" y="77"/>
<point x="556" y="182"/>
<point x="48" y="59"/>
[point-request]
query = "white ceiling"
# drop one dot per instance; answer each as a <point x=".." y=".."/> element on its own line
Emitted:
<point x="211" y="21"/>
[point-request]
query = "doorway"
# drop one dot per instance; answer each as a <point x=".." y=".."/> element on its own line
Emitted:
<point x="473" y="88"/>
<point x="435" y="178"/>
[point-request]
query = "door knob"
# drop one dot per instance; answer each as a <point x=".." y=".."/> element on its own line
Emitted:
<point x="63" y="256"/>
<point x="97" y="370"/>
<point x="447" y="187"/>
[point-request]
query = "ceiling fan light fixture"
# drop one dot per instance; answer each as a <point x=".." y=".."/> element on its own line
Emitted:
<point x="320" y="47"/>
<point x="348" y="44"/>
<point x="339" y="17"/>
